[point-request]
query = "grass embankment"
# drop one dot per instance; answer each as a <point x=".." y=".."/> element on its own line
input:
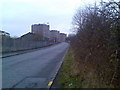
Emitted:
<point x="75" y="75"/>
<point x="66" y="79"/>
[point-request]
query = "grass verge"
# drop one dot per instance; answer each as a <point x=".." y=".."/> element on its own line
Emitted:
<point x="66" y="80"/>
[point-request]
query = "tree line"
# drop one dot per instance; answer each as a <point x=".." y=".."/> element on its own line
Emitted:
<point x="96" y="45"/>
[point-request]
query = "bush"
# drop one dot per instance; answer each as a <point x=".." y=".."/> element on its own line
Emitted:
<point x="96" y="45"/>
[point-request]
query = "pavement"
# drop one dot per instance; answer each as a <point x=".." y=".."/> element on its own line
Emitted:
<point x="35" y="69"/>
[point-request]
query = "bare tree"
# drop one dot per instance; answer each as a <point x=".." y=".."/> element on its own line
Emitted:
<point x="97" y="38"/>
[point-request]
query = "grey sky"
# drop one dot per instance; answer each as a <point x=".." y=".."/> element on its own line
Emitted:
<point x="18" y="15"/>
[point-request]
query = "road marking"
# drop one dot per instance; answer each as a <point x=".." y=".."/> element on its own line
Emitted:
<point x="50" y="83"/>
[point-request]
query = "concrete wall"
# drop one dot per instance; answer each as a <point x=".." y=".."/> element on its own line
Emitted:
<point x="9" y="45"/>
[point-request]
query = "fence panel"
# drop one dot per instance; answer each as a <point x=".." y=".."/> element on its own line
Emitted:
<point x="9" y="45"/>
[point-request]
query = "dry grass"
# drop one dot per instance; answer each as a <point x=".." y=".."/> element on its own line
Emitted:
<point x="66" y="77"/>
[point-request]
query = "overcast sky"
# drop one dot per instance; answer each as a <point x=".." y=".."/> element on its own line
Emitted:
<point x="18" y="15"/>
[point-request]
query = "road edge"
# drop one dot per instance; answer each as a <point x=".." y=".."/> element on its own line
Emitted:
<point x="58" y="68"/>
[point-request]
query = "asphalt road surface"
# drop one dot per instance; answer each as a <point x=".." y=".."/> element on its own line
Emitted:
<point x="34" y="69"/>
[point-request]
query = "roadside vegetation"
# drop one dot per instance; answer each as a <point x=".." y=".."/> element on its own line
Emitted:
<point x="66" y="79"/>
<point x="94" y="58"/>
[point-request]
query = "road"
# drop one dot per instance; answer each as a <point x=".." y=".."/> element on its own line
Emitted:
<point x="34" y="69"/>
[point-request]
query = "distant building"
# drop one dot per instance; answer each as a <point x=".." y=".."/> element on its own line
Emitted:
<point x="5" y="40"/>
<point x="54" y="35"/>
<point x="4" y="33"/>
<point x="42" y="30"/>
<point x="28" y="36"/>
<point x="71" y="35"/>
<point x="31" y="36"/>
<point x="62" y="37"/>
